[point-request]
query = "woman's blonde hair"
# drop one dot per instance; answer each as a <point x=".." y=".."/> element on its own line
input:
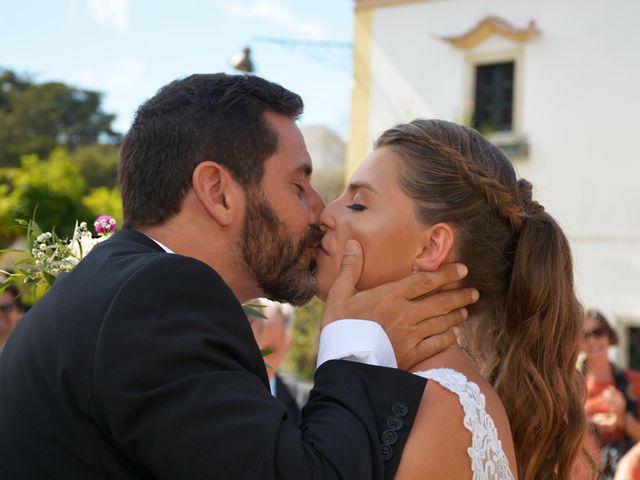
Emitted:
<point x="524" y="333"/>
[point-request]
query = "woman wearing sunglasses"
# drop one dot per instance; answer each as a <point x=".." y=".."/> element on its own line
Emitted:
<point x="611" y="393"/>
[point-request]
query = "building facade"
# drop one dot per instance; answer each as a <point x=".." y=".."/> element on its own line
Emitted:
<point x="554" y="83"/>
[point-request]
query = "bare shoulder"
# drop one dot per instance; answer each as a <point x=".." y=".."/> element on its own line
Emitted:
<point x="438" y="442"/>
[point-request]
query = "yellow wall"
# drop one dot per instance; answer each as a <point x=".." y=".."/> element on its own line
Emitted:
<point x="358" y="145"/>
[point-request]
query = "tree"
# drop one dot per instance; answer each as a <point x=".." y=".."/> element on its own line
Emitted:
<point x="55" y="187"/>
<point x="301" y="360"/>
<point x="98" y="164"/>
<point x="36" y="118"/>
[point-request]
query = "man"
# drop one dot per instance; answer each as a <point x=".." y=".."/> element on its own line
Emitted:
<point x="273" y="336"/>
<point x="140" y="363"/>
<point x="11" y="310"/>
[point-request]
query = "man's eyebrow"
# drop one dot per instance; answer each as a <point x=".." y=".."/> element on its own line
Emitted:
<point x="304" y="169"/>
<point x="355" y="185"/>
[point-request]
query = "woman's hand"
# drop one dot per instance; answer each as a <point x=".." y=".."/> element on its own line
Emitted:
<point x="615" y="415"/>
<point x="605" y="422"/>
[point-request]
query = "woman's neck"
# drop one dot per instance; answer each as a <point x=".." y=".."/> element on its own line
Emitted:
<point x="452" y="357"/>
<point x="598" y="369"/>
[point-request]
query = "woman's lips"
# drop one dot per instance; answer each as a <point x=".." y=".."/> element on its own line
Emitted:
<point x="322" y="251"/>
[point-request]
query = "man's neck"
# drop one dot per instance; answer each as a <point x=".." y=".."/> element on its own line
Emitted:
<point x="216" y="251"/>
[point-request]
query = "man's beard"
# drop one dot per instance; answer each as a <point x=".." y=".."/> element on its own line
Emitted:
<point x="278" y="265"/>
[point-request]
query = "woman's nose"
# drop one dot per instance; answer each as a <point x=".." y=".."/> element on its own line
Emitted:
<point x="328" y="218"/>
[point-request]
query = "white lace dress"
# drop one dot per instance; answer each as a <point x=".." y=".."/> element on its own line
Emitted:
<point x="488" y="460"/>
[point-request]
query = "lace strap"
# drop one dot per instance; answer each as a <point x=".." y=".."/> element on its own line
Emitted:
<point x="488" y="460"/>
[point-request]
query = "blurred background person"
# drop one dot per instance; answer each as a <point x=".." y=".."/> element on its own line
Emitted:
<point x="611" y="403"/>
<point x="274" y="334"/>
<point x="11" y="309"/>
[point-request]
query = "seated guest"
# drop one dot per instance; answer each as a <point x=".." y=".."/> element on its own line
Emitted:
<point x="11" y="309"/>
<point x="611" y="403"/>
<point x="274" y="335"/>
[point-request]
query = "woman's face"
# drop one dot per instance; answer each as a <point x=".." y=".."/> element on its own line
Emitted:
<point x="374" y="211"/>
<point x="596" y="339"/>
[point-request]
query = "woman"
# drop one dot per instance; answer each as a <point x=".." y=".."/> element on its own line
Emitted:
<point x="611" y="393"/>
<point x="434" y="192"/>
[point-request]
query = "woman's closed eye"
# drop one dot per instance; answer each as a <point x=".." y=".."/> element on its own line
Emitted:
<point x="358" y="207"/>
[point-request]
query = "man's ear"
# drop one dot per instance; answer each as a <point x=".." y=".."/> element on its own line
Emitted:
<point x="217" y="191"/>
<point x="436" y="246"/>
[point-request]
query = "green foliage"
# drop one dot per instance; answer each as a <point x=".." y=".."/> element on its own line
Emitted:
<point x="301" y="360"/>
<point x="54" y="186"/>
<point x="103" y="201"/>
<point x="98" y="164"/>
<point x="37" y="118"/>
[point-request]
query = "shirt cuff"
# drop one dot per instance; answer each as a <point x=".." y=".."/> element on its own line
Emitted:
<point x="360" y="341"/>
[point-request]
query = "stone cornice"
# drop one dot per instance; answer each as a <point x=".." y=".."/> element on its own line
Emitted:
<point x="489" y="26"/>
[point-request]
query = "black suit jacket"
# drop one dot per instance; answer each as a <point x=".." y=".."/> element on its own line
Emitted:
<point x="284" y="395"/>
<point x="141" y="364"/>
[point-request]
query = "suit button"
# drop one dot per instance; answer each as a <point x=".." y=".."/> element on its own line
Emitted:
<point x="400" y="409"/>
<point x="386" y="451"/>
<point x="389" y="437"/>
<point x="395" y="423"/>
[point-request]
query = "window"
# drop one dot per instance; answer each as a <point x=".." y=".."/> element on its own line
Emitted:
<point x="494" y="97"/>
<point x="634" y="348"/>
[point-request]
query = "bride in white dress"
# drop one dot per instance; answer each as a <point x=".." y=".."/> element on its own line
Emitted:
<point x="505" y="402"/>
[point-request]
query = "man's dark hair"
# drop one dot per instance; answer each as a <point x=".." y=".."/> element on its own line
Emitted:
<point x="216" y="117"/>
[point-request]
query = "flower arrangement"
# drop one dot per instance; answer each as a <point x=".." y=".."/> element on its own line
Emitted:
<point x="48" y="256"/>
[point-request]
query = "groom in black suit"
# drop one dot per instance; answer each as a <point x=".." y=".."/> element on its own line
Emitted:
<point x="141" y="363"/>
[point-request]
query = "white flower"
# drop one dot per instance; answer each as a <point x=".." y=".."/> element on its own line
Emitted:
<point x="82" y="245"/>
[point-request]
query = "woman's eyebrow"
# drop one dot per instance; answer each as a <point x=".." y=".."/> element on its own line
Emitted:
<point x="355" y="185"/>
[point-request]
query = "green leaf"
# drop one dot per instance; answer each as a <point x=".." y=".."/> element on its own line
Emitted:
<point x="49" y="278"/>
<point x="5" y="284"/>
<point x="253" y="312"/>
<point x="266" y="351"/>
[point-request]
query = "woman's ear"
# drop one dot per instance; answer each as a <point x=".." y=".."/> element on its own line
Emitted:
<point x="216" y="190"/>
<point x="437" y="242"/>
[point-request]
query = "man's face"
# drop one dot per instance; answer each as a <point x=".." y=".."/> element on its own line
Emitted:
<point x="9" y="315"/>
<point x="275" y="337"/>
<point x="279" y="237"/>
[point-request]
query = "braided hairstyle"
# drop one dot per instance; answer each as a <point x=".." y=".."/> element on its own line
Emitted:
<point x="524" y="332"/>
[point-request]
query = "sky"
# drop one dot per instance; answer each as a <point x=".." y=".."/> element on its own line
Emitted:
<point x="128" y="49"/>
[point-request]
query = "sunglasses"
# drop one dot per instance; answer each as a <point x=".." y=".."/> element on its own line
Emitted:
<point x="6" y="307"/>
<point x="595" y="333"/>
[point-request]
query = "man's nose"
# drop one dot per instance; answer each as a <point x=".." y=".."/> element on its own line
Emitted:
<point x="316" y="205"/>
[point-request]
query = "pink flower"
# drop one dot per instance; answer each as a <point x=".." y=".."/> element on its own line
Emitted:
<point x="104" y="224"/>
